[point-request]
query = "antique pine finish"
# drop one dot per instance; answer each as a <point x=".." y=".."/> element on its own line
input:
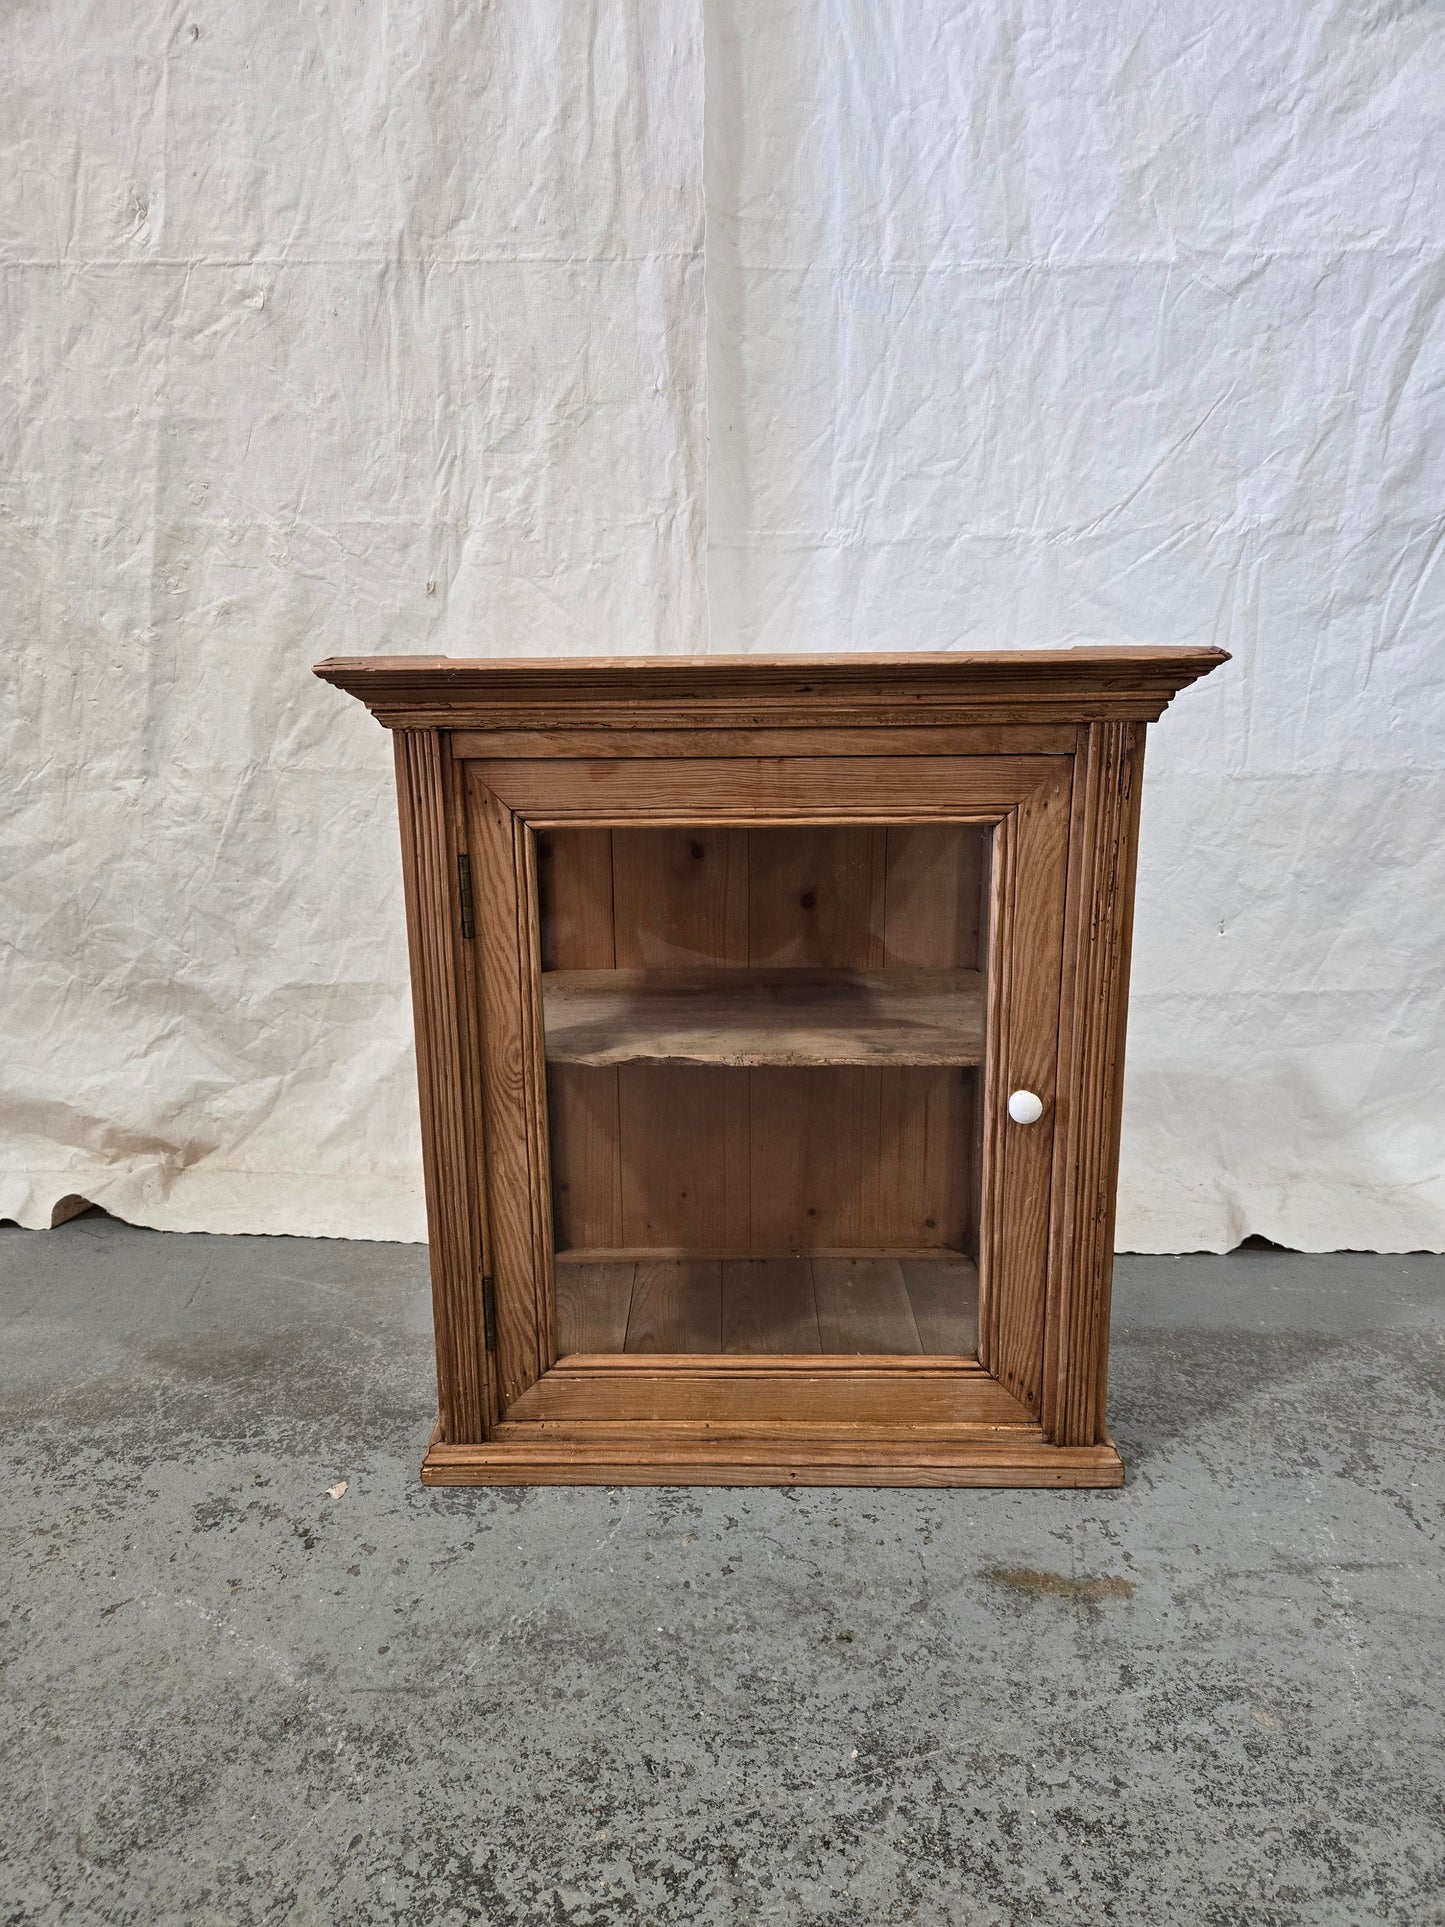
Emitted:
<point x="1045" y="748"/>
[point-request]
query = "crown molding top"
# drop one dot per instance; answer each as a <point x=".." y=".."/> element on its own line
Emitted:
<point x="1081" y="684"/>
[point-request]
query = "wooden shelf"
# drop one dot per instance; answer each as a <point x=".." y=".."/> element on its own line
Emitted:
<point x="753" y="1017"/>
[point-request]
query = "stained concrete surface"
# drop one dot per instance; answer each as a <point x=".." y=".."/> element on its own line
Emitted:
<point x="235" y="1692"/>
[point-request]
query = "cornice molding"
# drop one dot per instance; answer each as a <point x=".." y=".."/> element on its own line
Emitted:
<point x="1077" y="685"/>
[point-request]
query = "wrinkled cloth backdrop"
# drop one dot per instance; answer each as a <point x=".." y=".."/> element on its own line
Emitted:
<point x="658" y="325"/>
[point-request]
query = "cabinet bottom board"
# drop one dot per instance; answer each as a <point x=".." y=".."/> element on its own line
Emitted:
<point x="908" y="1304"/>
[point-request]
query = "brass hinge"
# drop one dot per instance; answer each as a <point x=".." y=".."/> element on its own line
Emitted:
<point x="489" y="1313"/>
<point x="464" y="890"/>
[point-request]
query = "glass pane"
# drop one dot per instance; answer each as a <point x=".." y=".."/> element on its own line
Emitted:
<point x="764" y="1054"/>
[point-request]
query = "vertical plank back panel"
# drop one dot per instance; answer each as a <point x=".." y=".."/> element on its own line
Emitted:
<point x="574" y="890"/>
<point x="933" y="887"/>
<point x="812" y="1133"/>
<point x="584" y="1113"/>
<point x="684" y="1131"/>
<point x="815" y="896"/>
<point x="679" y="897"/>
<point x="920" y="1188"/>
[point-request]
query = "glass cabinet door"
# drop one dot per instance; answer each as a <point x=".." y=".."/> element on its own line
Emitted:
<point x="764" y="1074"/>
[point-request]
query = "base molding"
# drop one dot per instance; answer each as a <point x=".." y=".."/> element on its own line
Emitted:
<point x="778" y="1458"/>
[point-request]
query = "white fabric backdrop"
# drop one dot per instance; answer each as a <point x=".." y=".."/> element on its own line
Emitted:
<point x="1018" y="323"/>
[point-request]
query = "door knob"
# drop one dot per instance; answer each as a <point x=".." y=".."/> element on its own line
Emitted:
<point x="1024" y="1107"/>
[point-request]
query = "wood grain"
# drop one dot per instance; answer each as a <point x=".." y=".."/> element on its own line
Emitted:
<point x="943" y="1293"/>
<point x="768" y="1306"/>
<point x="622" y="1254"/>
<point x="1027" y="916"/>
<point x="572" y="745"/>
<point x="574" y="887"/>
<point x="593" y="1302"/>
<point x="934" y="880"/>
<point x="783" y="1460"/>
<point x="518" y="1177"/>
<point x="679" y="1189"/>
<point x="920" y="1186"/>
<point x="717" y="791"/>
<point x="962" y="688"/>
<point x="815" y="896"/>
<point x="680" y="897"/>
<point x="1093" y="1002"/>
<point x="676" y="1307"/>
<point x="584" y="1113"/>
<point x="445" y="1068"/>
<point x="641" y="1389"/>
<point x="766" y="1016"/>
<point x="812" y="1160"/>
<point x="863" y="1306"/>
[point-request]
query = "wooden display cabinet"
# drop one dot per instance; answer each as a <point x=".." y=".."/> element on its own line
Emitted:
<point x="770" y="1026"/>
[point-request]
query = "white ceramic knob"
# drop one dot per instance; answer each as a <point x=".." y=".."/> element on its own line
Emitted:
<point x="1024" y="1107"/>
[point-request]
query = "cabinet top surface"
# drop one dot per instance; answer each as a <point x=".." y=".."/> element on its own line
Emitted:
<point x="1081" y="681"/>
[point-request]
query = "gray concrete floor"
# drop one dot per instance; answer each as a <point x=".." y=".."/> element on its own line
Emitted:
<point x="1213" y="1697"/>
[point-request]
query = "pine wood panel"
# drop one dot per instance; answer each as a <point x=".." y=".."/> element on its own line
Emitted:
<point x="781" y="1460"/>
<point x="593" y="1303"/>
<point x="680" y="897"/>
<point x="765" y="1161"/>
<point x="679" y="1185"/>
<point x="944" y="1295"/>
<point x="768" y="1016"/>
<point x="572" y="745"/>
<point x="622" y="1255"/>
<point x="585" y="1121"/>
<point x="810" y="1149"/>
<point x="1029" y="887"/>
<point x="961" y="688"/>
<point x="574" y="883"/>
<point x="815" y="896"/>
<point x="761" y="789"/>
<point x="858" y="1158"/>
<point x="519" y="1188"/>
<point x="863" y="1306"/>
<point x="784" y="1460"/>
<point x="444" y="1057"/>
<point x="574" y="886"/>
<point x="768" y="1306"/>
<point x="934" y="879"/>
<point x="922" y="1179"/>
<point x="734" y="1388"/>
<point x="676" y="1307"/>
<point x="1093" y="1002"/>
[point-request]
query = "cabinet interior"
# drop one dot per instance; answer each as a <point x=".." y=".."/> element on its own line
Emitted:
<point x="764" y="1055"/>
